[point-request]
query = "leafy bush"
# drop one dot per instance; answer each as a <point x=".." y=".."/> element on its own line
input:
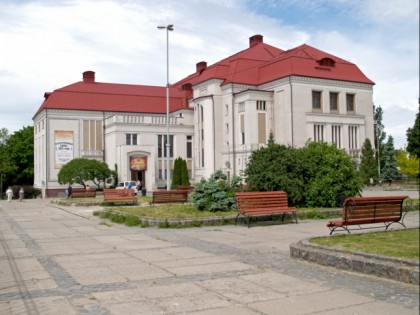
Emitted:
<point x="277" y="167"/>
<point x="216" y="193"/>
<point x="328" y="171"/>
<point x="312" y="176"/>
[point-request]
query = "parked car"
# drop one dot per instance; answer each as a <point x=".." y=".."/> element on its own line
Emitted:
<point x="124" y="185"/>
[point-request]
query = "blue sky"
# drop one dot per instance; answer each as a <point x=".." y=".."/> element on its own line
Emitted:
<point x="46" y="45"/>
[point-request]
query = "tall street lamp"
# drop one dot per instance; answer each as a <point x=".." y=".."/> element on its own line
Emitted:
<point x="168" y="28"/>
<point x="379" y="160"/>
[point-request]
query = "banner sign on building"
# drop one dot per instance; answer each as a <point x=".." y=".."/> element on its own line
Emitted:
<point x="138" y="163"/>
<point x="63" y="147"/>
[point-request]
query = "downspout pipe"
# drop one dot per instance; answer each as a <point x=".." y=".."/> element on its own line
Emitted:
<point x="291" y="109"/>
<point x="233" y="135"/>
<point x="214" y="135"/>
<point x="103" y="134"/>
<point x="47" y="148"/>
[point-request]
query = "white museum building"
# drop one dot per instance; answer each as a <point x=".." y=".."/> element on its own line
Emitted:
<point x="217" y="117"/>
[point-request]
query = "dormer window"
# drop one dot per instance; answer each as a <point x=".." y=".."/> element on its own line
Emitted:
<point x="327" y="62"/>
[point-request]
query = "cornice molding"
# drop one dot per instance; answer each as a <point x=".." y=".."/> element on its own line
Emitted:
<point x="316" y="81"/>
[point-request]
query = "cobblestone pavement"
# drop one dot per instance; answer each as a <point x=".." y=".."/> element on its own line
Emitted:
<point x="64" y="260"/>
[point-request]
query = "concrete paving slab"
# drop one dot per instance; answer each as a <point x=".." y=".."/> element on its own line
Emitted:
<point x="83" y="266"/>
<point x="311" y="303"/>
<point x="372" y="308"/>
<point x="234" y="310"/>
<point x="209" y="268"/>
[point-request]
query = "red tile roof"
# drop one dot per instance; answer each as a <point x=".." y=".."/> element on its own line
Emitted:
<point x="258" y="64"/>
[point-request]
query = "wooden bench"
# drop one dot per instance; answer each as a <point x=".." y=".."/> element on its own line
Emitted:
<point x="263" y="203"/>
<point x="120" y="195"/>
<point x="169" y="196"/>
<point x="83" y="193"/>
<point x="359" y="211"/>
<point x="189" y="189"/>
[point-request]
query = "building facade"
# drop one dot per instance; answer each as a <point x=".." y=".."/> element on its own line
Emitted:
<point x="218" y="115"/>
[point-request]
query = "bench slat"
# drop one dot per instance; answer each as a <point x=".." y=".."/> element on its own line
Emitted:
<point x="370" y="210"/>
<point x="169" y="196"/>
<point x="261" y="203"/>
<point x="120" y="195"/>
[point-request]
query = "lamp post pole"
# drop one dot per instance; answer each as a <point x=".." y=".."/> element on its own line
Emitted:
<point x="379" y="160"/>
<point x="168" y="28"/>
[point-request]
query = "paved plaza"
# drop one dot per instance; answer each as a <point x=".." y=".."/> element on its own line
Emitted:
<point x="63" y="260"/>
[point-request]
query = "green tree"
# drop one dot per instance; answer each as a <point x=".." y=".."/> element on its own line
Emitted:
<point x="6" y="167"/>
<point x="277" y="167"/>
<point x="368" y="165"/>
<point x="180" y="174"/>
<point x="176" y="174"/>
<point x="313" y="175"/>
<point x="271" y="138"/>
<point x="389" y="168"/>
<point x="100" y="173"/>
<point x="380" y="134"/>
<point x="4" y="135"/>
<point x="17" y="157"/>
<point x="329" y="171"/>
<point x="185" y="179"/>
<point x="81" y="170"/>
<point x="408" y="164"/>
<point x="413" y="137"/>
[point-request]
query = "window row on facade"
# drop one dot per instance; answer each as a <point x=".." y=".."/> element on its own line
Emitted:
<point x="332" y="99"/>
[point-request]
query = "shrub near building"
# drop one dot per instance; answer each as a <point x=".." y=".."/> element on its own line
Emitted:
<point x="311" y="176"/>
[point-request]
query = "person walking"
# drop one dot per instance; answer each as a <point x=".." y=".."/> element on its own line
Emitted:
<point x="9" y="194"/>
<point x="21" y="194"/>
<point x="69" y="191"/>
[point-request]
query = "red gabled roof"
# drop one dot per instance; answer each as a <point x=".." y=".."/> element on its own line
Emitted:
<point x="258" y="64"/>
<point x="112" y="97"/>
<point x="304" y="61"/>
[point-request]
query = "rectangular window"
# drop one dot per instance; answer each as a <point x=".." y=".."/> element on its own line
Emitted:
<point x="336" y="135"/>
<point x="241" y="107"/>
<point x="189" y="147"/>
<point x="333" y="101"/>
<point x="131" y="139"/>
<point x="261" y="105"/>
<point x="318" y="132"/>
<point x="352" y="137"/>
<point x="162" y="146"/>
<point x="350" y="102"/>
<point x="242" y="129"/>
<point x="316" y="100"/>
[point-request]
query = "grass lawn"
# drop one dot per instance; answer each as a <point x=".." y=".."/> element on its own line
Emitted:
<point x="393" y="243"/>
<point x="170" y="211"/>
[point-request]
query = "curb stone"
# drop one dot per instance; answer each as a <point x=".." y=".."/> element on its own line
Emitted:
<point x="402" y="270"/>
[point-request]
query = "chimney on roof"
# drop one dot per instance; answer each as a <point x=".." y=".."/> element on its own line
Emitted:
<point x="186" y="91"/>
<point x="255" y="40"/>
<point x="88" y="77"/>
<point x="201" y="66"/>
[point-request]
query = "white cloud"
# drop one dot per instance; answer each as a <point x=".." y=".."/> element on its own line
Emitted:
<point x="46" y="45"/>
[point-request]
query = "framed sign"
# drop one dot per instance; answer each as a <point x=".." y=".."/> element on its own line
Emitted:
<point x="63" y="141"/>
<point x="138" y="163"/>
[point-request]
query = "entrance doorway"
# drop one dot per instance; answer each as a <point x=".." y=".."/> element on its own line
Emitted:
<point x="139" y="175"/>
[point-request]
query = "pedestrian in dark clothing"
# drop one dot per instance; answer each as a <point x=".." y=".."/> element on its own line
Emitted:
<point x="69" y="191"/>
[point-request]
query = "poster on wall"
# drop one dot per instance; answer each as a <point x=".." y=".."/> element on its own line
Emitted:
<point x="138" y="163"/>
<point x="63" y="147"/>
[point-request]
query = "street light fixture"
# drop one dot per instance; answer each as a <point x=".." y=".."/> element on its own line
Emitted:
<point x="379" y="160"/>
<point x="168" y="28"/>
